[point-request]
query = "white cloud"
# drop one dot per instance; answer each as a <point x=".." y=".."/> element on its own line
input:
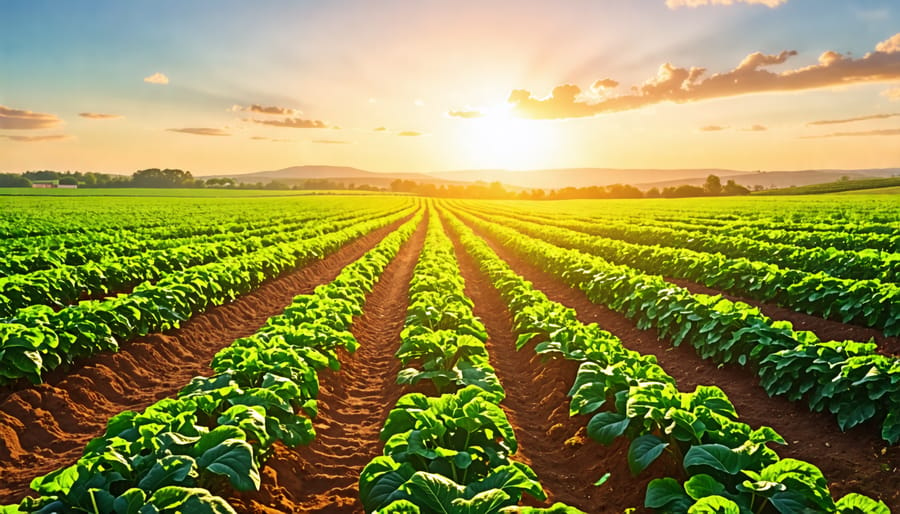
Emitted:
<point x="157" y="78"/>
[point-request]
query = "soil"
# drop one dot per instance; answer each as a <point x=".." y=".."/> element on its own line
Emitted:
<point x="353" y="405"/>
<point x="45" y="427"/>
<point x="856" y="461"/>
<point x="554" y="444"/>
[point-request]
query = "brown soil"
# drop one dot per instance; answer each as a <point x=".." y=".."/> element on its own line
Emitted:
<point x="45" y="427"/>
<point x="353" y="405"/>
<point x="554" y="444"/>
<point x="826" y="329"/>
<point x="856" y="461"/>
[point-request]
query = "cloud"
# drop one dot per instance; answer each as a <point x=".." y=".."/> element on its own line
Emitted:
<point x="881" y="132"/>
<point x="859" y="118"/>
<point x="675" y="4"/>
<point x="379" y="129"/>
<point x="604" y="84"/>
<point x="332" y="142"/>
<point x="892" y="94"/>
<point x="713" y="128"/>
<point x="157" y="78"/>
<point x="17" y="119"/>
<point x="682" y="85"/>
<point x="466" y="114"/>
<point x="100" y="116"/>
<point x="294" y="123"/>
<point x="419" y="102"/>
<point x="409" y="133"/>
<point x="36" y="139"/>
<point x="755" y="128"/>
<point x="272" y="110"/>
<point x="200" y="131"/>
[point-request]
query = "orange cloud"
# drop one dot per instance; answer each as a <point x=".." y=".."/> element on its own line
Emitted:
<point x="272" y="110"/>
<point x="604" y="84"/>
<point x="157" y="78"/>
<point x="293" y="123"/>
<point x="681" y="85"/>
<point x="881" y="132"/>
<point x="36" y="139"/>
<point x="755" y="128"/>
<point x="17" y="119"/>
<point x="409" y="133"/>
<point x="200" y="131"/>
<point x="713" y="128"/>
<point x="675" y="4"/>
<point x="466" y="114"/>
<point x="332" y="142"/>
<point x="379" y="129"/>
<point x="859" y="118"/>
<point x="100" y="116"/>
<point x="892" y="94"/>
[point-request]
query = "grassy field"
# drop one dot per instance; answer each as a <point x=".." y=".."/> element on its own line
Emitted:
<point x="198" y="193"/>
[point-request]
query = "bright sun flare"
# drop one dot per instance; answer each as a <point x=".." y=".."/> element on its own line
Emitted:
<point x="500" y="140"/>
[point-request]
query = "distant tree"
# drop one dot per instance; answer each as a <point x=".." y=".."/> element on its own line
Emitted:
<point x="758" y="187"/>
<point x="623" y="191"/>
<point x="275" y="184"/>
<point x="13" y="180"/>
<point x="652" y="193"/>
<point x="68" y="181"/>
<point x="155" y="177"/>
<point x="684" y="191"/>
<point x="713" y="185"/>
<point x="733" y="189"/>
<point x="41" y="175"/>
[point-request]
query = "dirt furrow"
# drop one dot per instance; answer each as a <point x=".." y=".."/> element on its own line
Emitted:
<point x="856" y="461"/>
<point x="554" y="444"/>
<point x="353" y="404"/>
<point x="45" y="427"/>
<point x="826" y="329"/>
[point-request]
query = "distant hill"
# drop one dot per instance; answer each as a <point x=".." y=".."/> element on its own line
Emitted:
<point x="871" y="185"/>
<point x="579" y="177"/>
<point x="781" y="179"/>
<point x="560" y="177"/>
<point x="342" y="174"/>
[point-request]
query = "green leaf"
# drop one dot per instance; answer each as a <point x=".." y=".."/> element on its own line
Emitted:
<point x="482" y="503"/>
<point x="434" y="492"/>
<point x="854" y="503"/>
<point x="193" y="500"/>
<point x="171" y="470"/>
<point x="234" y="459"/>
<point x="702" y="485"/>
<point x="643" y="451"/>
<point x="715" y="456"/>
<point x="714" y="505"/>
<point x="666" y="493"/>
<point x="130" y="502"/>
<point x="400" y="507"/>
<point x="604" y="427"/>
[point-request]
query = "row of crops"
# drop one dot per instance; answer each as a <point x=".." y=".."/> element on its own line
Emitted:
<point x="70" y="292"/>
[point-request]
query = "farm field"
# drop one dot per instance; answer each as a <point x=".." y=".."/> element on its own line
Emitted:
<point x="369" y="353"/>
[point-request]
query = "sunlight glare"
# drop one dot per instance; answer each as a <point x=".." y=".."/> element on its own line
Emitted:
<point x="501" y="140"/>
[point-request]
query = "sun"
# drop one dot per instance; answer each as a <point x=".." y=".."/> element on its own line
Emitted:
<point x="500" y="140"/>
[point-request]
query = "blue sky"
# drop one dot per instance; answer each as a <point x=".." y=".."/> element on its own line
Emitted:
<point x="404" y="66"/>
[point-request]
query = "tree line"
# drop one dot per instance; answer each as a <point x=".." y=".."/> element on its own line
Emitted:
<point x="176" y="178"/>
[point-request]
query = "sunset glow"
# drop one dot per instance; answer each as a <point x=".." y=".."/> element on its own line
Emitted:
<point x="218" y="87"/>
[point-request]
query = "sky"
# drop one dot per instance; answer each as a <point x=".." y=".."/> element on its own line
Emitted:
<point x="227" y="86"/>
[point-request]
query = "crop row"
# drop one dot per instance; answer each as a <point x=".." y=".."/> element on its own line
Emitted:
<point x="450" y="453"/>
<point x="34" y="259"/>
<point x="63" y="285"/>
<point x="863" y="264"/>
<point x="180" y="454"/>
<point x="864" y="302"/>
<point x="847" y="378"/>
<point x="728" y="466"/>
<point x="39" y="339"/>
